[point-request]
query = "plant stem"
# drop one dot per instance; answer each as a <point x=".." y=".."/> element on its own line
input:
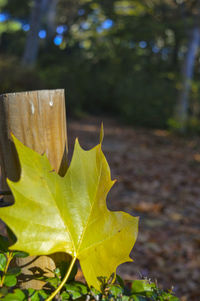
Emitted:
<point x="9" y="258"/>
<point x="63" y="281"/>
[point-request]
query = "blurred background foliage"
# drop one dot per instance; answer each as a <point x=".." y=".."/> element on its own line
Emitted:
<point x="136" y="60"/>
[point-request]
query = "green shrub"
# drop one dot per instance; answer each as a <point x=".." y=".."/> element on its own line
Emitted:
<point x="15" y="78"/>
<point x="137" y="290"/>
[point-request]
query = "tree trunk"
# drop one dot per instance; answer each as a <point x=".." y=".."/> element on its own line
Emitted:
<point x="181" y="113"/>
<point x="51" y="19"/>
<point x="32" y="41"/>
<point x="175" y="51"/>
<point x="38" y="120"/>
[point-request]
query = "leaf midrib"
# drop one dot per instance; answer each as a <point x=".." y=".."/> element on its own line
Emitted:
<point x="83" y="233"/>
<point x="61" y="216"/>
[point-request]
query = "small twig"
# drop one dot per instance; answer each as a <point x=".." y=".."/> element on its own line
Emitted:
<point x="9" y="258"/>
<point x="63" y="281"/>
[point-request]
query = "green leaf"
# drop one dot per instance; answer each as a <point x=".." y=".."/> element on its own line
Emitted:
<point x="20" y="254"/>
<point x="105" y="282"/>
<point x="39" y="295"/>
<point x="141" y="298"/>
<point x="3" y="291"/>
<point x="76" y="289"/>
<point x="81" y="286"/>
<point x="18" y="295"/>
<point x="120" y="280"/>
<point x="95" y="293"/>
<point x="139" y="286"/>
<point x="4" y="244"/>
<point x="53" y="281"/>
<point x="125" y="298"/>
<point x="16" y="271"/>
<point x="73" y="291"/>
<point x="69" y="214"/>
<point x="65" y="296"/>
<point x="116" y="290"/>
<point x="3" y="261"/>
<point x="30" y="292"/>
<point x="10" y="280"/>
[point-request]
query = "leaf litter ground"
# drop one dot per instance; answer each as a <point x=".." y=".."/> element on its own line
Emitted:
<point x="158" y="179"/>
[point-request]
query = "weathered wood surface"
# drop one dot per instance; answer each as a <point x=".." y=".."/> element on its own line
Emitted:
<point x="38" y="120"/>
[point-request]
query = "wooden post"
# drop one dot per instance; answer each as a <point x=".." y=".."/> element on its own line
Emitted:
<point x="38" y="120"/>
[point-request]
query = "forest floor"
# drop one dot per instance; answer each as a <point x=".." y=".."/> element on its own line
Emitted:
<point x="158" y="179"/>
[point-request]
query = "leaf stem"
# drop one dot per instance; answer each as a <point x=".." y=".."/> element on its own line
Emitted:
<point x="9" y="258"/>
<point x="63" y="281"/>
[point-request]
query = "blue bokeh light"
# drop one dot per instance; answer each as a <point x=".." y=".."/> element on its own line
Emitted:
<point x="61" y="29"/>
<point x="58" y="40"/>
<point x="155" y="49"/>
<point x="107" y="24"/>
<point x="26" y="27"/>
<point x="143" y="44"/>
<point x="81" y="12"/>
<point x="3" y="17"/>
<point x="42" y="34"/>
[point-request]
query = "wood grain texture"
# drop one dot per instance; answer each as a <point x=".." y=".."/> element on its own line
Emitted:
<point x="38" y="120"/>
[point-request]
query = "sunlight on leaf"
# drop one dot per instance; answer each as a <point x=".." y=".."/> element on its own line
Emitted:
<point x="69" y="214"/>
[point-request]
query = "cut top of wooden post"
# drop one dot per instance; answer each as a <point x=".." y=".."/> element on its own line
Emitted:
<point x="38" y="120"/>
